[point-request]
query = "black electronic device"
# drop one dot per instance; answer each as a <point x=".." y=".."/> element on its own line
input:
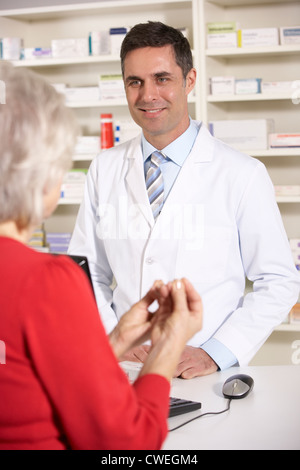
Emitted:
<point x="179" y="406"/>
<point x="238" y="386"/>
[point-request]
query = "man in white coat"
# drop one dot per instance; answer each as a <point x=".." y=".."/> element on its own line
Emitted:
<point x="218" y="223"/>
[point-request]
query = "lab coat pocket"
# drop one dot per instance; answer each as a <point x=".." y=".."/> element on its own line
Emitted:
<point x="205" y="259"/>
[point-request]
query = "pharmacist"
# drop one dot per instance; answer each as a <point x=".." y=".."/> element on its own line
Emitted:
<point x="219" y="222"/>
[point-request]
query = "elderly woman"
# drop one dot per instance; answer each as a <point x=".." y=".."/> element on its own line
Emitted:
<point x="61" y="385"/>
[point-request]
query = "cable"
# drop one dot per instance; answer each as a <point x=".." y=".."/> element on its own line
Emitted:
<point x="204" y="414"/>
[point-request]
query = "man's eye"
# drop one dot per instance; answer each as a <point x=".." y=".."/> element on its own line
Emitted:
<point x="135" y="83"/>
<point x="162" y="79"/>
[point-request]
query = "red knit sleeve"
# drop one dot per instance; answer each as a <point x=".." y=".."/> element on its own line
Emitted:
<point x="93" y="403"/>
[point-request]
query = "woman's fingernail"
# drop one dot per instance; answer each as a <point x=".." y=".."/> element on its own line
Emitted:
<point x="178" y="284"/>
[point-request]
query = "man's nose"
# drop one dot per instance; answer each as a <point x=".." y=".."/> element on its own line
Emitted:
<point x="149" y="91"/>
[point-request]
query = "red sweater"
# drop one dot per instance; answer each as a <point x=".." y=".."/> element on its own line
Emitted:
<point x="61" y="386"/>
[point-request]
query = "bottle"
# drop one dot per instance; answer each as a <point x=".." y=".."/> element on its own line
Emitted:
<point x="107" y="139"/>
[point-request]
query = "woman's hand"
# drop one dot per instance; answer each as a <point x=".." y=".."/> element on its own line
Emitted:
<point x="179" y="313"/>
<point x="134" y="326"/>
<point x="177" y="319"/>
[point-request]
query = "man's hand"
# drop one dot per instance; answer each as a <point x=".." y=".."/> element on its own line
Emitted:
<point x="138" y="354"/>
<point x="195" y="362"/>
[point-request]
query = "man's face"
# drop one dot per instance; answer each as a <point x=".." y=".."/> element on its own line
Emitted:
<point x="157" y="93"/>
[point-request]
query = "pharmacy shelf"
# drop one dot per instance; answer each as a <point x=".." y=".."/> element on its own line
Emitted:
<point x="106" y="103"/>
<point x="278" y="152"/>
<point x="232" y="3"/>
<point x="284" y="199"/>
<point x="63" y="61"/>
<point x="89" y="8"/>
<point x="54" y="62"/>
<point x="84" y="157"/>
<point x="248" y="97"/>
<point x="289" y="327"/>
<point x="279" y="199"/>
<point x="237" y="52"/>
<point x="69" y="202"/>
<point x="97" y="104"/>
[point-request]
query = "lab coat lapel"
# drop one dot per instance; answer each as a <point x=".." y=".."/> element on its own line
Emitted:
<point x="135" y="180"/>
<point x="186" y="193"/>
<point x="187" y="182"/>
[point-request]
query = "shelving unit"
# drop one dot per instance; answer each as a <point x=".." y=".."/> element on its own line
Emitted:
<point x="272" y="63"/>
<point x="39" y="25"/>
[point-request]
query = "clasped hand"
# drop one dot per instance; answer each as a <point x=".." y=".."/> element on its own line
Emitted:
<point x="177" y="318"/>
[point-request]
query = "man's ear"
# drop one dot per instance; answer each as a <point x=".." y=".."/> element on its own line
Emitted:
<point x="190" y="80"/>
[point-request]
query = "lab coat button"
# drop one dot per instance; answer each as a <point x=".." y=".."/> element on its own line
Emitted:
<point x="149" y="260"/>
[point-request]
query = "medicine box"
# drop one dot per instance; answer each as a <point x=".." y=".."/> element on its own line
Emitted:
<point x="87" y="145"/>
<point x="222" y="27"/>
<point x="116" y="38"/>
<point x="284" y="140"/>
<point x="111" y="87"/>
<point x="11" y="48"/>
<point x="277" y="87"/>
<point x="222" y="40"/>
<point x="249" y="134"/>
<point x="287" y="190"/>
<point x="81" y="94"/>
<point x="29" y="53"/>
<point x="247" y="86"/>
<point x="58" y="242"/>
<point x="222" y="85"/>
<point x="289" y="35"/>
<point x="70" y="47"/>
<point x="73" y="184"/>
<point x="258" y="37"/>
<point x="99" y="43"/>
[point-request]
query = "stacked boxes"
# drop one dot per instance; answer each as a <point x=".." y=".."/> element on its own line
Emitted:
<point x="223" y="34"/>
<point x="228" y="34"/>
<point x="249" y="134"/>
<point x="58" y="242"/>
<point x="73" y="184"/>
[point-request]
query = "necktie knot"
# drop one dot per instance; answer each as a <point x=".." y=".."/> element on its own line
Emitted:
<point x="157" y="158"/>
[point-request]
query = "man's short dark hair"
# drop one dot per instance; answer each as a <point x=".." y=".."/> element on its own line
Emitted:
<point x="157" y="34"/>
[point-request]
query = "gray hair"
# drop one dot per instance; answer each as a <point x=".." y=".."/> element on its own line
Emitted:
<point x="37" y="138"/>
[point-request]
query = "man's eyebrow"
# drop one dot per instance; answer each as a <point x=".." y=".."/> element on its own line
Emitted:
<point x="155" y="75"/>
<point x="162" y="74"/>
<point x="132" y="78"/>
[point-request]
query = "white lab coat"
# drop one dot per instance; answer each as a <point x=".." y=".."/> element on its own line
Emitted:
<point x="219" y="224"/>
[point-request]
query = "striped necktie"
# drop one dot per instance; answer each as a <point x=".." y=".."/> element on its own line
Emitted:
<point x="155" y="184"/>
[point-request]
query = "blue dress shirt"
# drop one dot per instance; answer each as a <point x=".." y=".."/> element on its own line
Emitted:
<point x="176" y="153"/>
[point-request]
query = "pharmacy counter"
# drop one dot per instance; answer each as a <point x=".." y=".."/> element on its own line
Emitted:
<point x="268" y="418"/>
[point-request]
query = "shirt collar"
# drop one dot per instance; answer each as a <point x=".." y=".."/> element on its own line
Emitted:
<point x="177" y="150"/>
